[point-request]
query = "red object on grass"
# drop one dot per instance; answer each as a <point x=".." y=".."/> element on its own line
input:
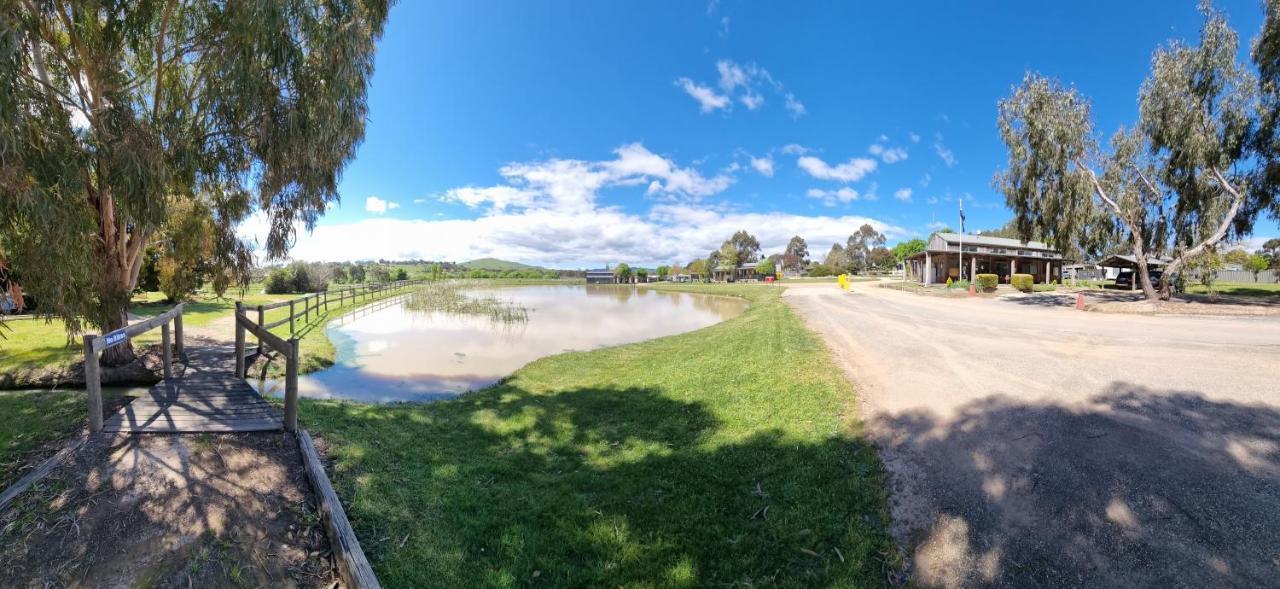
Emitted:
<point x="1079" y="301"/>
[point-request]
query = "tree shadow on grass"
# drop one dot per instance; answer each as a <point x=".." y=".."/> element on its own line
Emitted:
<point x="1139" y="487"/>
<point x="596" y="487"/>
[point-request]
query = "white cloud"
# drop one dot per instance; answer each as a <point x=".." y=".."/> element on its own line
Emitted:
<point x="850" y="171"/>
<point x="549" y="213"/>
<point x="572" y="185"/>
<point x="418" y="201"/>
<point x="943" y="152"/>
<point x="746" y="83"/>
<point x="581" y="239"/>
<point x="764" y="165"/>
<point x="795" y="107"/>
<point x="926" y="179"/>
<point x="795" y="149"/>
<point x="914" y="137"/>
<point x="903" y="194"/>
<point x="833" y="197"/>
<point x="933" y="200"/>
<point x="378" y="206"/>
<point x="707" y="98"/>
<point x="936" y="225"/>
<point x="888" y="155"/>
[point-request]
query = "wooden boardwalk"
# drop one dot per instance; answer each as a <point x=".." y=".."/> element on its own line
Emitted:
<point x="205" y="396"/>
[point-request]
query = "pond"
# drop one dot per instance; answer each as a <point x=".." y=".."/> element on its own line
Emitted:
<point x="393" y="351"/>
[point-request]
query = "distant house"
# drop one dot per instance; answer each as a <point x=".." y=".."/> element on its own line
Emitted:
<point x="1001" y="256"/>
<point x="742" y="272"/>
<point x="603" y="276"/>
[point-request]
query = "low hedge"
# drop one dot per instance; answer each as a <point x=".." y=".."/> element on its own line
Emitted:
<point x="987" y="282"/>
<point x="1022" y="282"/>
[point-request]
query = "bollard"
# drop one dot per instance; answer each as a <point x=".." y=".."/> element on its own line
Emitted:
<point x="973" y="289"/>
<point x="1079" y="301"/>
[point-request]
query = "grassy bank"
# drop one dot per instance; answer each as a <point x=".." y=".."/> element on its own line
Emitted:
<point x="37" y="422"/>
<point x="728" y="455"/>
<point x="1252" y="289"/>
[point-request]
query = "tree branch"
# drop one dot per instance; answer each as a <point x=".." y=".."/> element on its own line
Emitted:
<point x="1237" y="199"/>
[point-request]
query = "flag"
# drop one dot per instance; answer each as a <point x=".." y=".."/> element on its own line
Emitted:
<point x="962" y="215"/>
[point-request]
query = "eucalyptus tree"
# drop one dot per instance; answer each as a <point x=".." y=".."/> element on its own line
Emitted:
<point x="747" y="246"/>
<point x="859" y="245"/>
<point x="1176" y="184"/>
<point x="110" y="112"/>
<point x="796" y="256"/>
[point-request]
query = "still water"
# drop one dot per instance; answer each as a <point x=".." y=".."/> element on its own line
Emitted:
<point x="387" y="352"/>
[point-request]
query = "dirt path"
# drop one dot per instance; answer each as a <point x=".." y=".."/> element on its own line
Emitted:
<point x="198" y="510"/>
<point x="1044" y="446"/>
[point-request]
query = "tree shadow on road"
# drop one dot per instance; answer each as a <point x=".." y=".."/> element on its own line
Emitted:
<point x="1139" y="487"/>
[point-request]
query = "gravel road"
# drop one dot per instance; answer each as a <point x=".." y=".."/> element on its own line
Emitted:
<point x="1038" y="446"/>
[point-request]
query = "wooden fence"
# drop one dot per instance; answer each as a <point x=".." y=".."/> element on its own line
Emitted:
<point x="96" y="343"/>
<point x="299" y="308"/>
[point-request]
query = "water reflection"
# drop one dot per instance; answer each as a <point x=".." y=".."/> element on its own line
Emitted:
<point x="386" y="352"/>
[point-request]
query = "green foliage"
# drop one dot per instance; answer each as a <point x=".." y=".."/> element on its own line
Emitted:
<point x="765" y="267"/>
<point x="622" y="272"/>
<point x="1256" y="264"/>
<point x="296" y="278"/>
<point x="820" y="270"/>
<point x="400" y="274"/>
<point x="378" y="274"/>
<point x="235" y="106"/>
<point x="906" y="249"/>
<point x="1204" y="268"/>
<point x="1022" y="282"/>
<point x="859" y="247"/>
<point x="796" y="255"/>
<point x="1191" y="151"/>
<point x="746" y="246"/>
<point x="987" y="282"/>
<point x="662" y="272"/>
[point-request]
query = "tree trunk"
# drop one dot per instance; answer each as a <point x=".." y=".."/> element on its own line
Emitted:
<point x="1140" y="257"/>
<point x="115" y="256"/>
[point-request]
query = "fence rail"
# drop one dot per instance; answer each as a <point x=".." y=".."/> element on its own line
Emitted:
<point x="93" y="344"/>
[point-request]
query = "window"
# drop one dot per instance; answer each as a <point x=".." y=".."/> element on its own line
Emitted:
<point x="1024" y="253"/>
<point x="970" y="248"/>
<point x="997" y="250"/>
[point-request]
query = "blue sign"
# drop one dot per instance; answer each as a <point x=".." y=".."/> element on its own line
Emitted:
<point x="114" y="338"/>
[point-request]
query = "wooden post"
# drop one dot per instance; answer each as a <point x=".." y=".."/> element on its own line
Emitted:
<point x="291" y="388"/>
<point x="291" y="301"/>
<point x="928" y="268"/>
<point x="261" y="321"/>
<point x="177" y="333"/>
<point x="240" y="367"/>
<point x="93" y="384"/>
<point x="306" y="310"/>
<point x="166" y="350"/>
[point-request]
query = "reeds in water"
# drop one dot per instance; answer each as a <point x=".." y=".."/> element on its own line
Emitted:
<point x="447" y="297"/>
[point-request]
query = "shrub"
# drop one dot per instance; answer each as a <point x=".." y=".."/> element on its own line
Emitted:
<point x="1022" y="282"/>
<point x="987" y="282"/>
<point x="819" y="270"/>
<point x="1050" y="287"/>
<point x="961" y="284"/>
<point x="278" y="282"/>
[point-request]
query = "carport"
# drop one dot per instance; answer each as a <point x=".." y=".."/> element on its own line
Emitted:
<point x="1131" y="263"/>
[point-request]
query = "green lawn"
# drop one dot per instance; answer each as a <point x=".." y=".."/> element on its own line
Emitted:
<point x="725" y="456"/>
<point x="35" y="420"/>
<point x="32" y="344"/>
<point x="1253" y="289"/>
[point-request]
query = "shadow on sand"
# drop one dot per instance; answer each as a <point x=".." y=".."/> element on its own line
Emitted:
<point x="1139" y="487"/>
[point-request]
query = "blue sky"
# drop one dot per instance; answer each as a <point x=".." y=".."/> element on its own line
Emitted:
<point x="574" y="134"/>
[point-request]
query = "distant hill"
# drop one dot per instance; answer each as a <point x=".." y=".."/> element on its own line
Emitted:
<point x="499" y="265"/>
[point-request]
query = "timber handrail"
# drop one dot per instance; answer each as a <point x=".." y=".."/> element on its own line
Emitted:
<point x="289" y="347"/>
<point x="94" y="344"/>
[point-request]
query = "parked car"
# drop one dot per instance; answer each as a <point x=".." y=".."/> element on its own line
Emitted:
<point x="1126" y="278"/>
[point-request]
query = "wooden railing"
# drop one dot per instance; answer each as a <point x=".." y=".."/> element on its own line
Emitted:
<point x="315" y="302"/>
<point x="288" y="348"/>
<point x="301" y="307"/>
<point x="93" y="344"/>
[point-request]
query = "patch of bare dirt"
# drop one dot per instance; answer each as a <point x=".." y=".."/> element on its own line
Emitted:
<point x="206" y="510"/>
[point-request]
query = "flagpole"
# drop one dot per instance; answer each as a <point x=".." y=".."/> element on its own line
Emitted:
<point x="962" y="239"/>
